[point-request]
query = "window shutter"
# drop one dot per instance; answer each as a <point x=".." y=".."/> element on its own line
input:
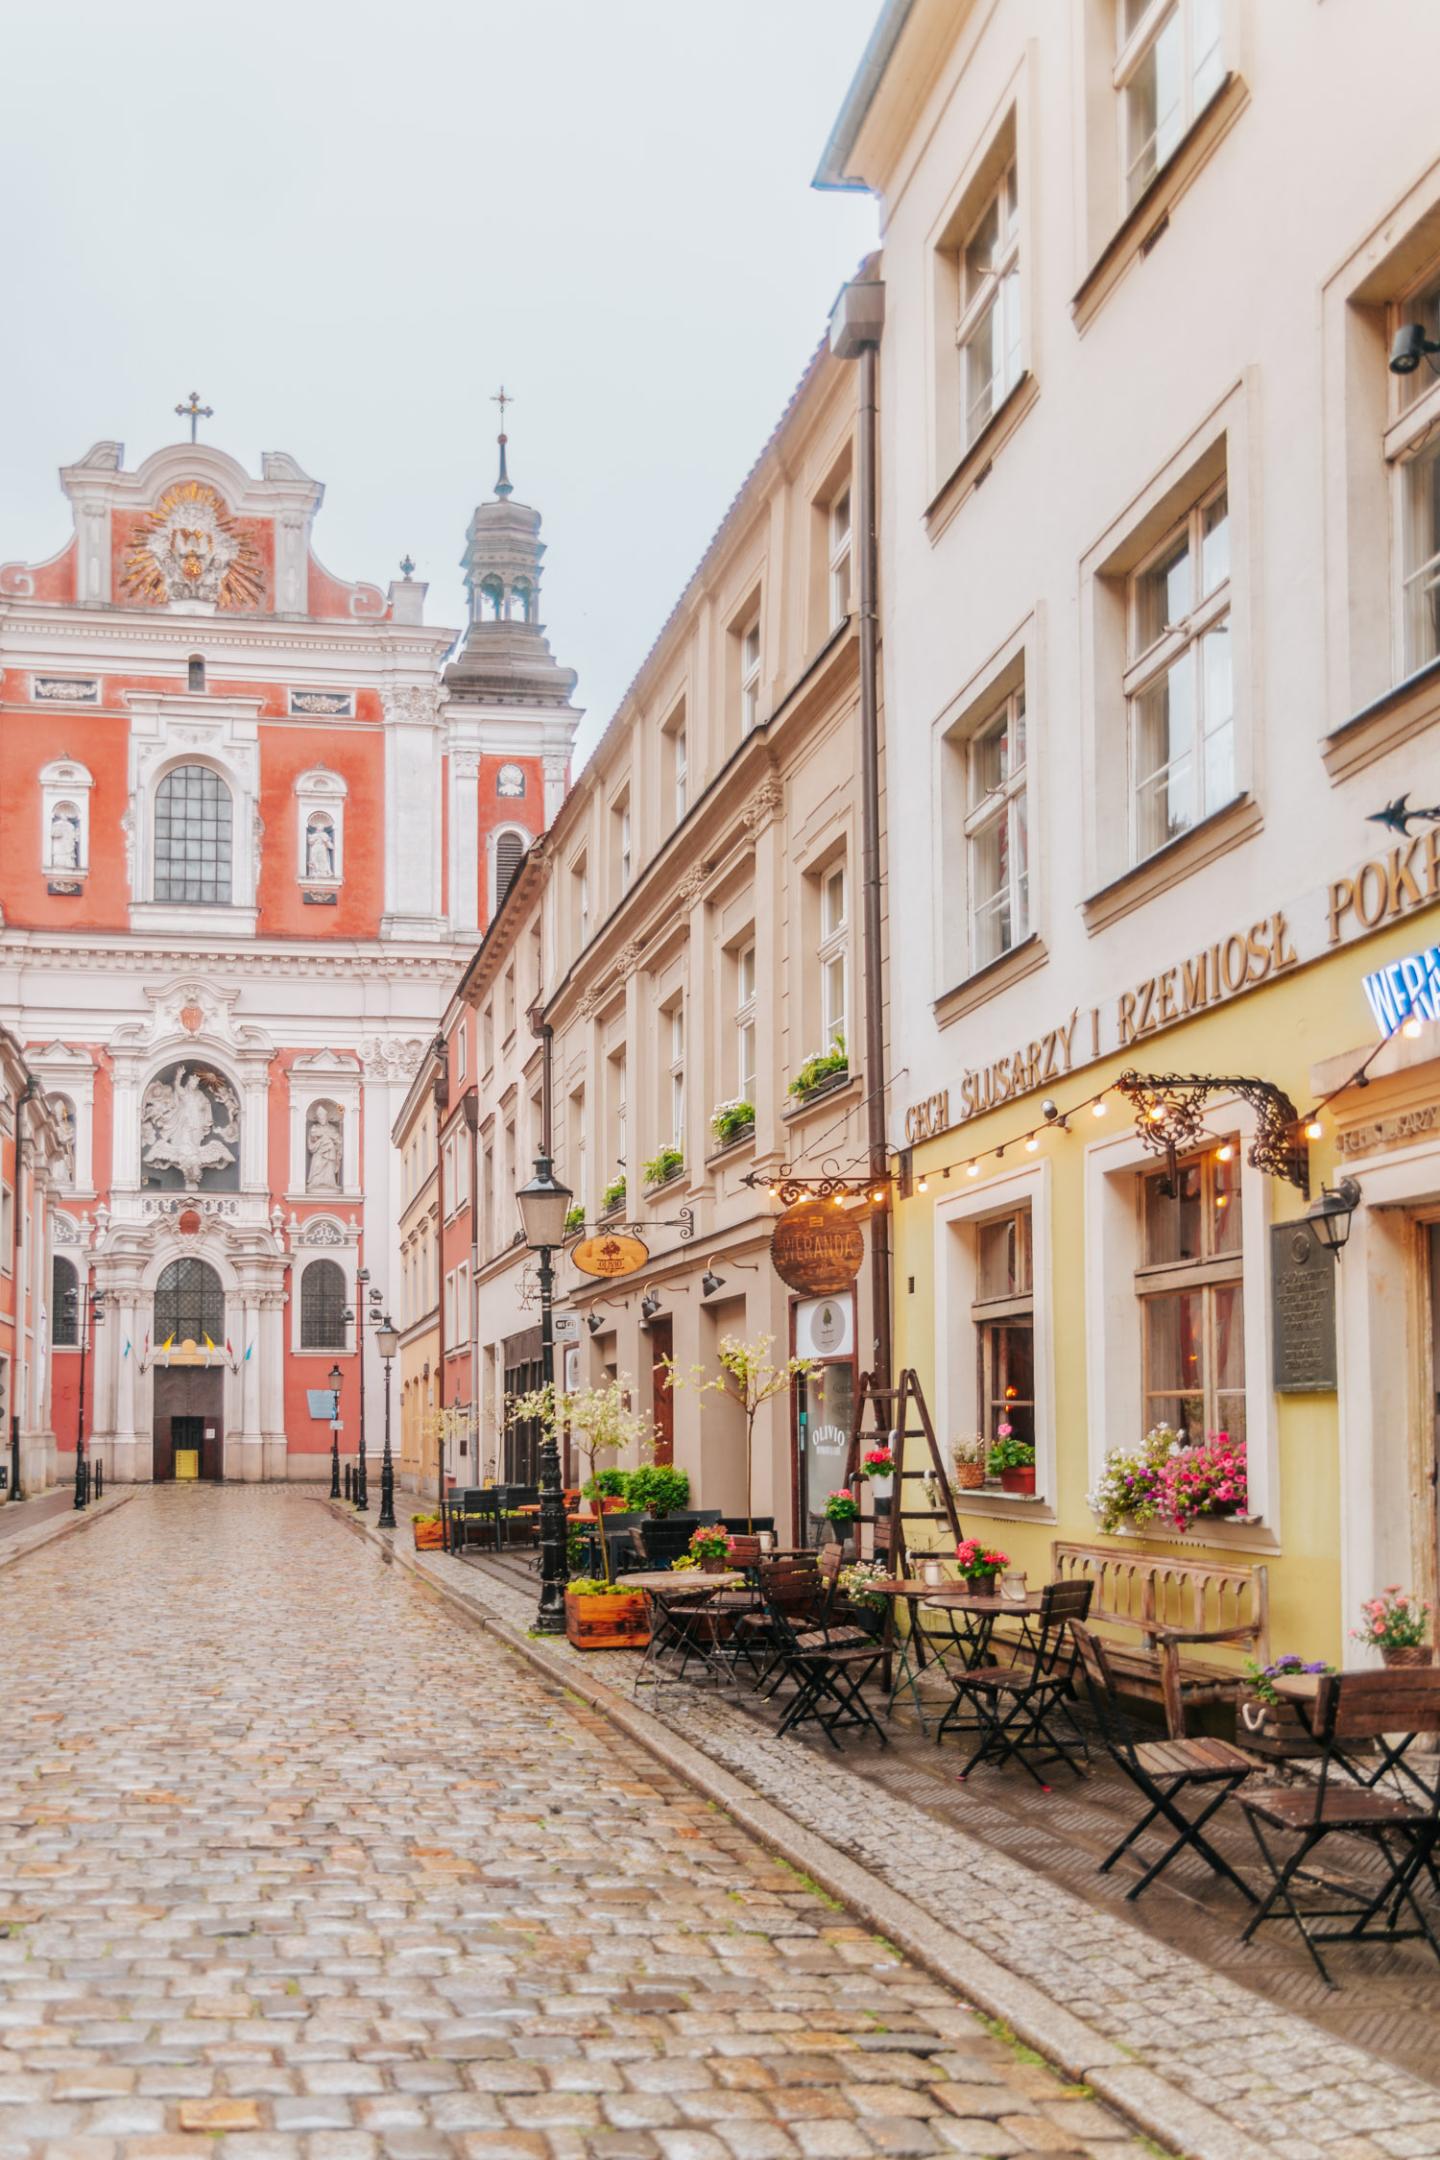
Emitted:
<point x="509" y="854"/>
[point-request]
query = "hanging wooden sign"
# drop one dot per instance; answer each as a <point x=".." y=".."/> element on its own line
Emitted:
<point x="615" y="1253"/>
<point x="817" y="1248"/>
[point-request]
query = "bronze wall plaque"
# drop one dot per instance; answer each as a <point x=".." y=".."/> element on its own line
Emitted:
<point x="816" y="1248"/>
<point x="1302" y="1310"/>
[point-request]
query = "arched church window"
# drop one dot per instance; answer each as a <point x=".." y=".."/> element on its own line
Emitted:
<point x="322" y="1306"/>
<point x="492" y="600"/>
<point x="64" y="1303"/>
<point x="189" y="1303"/>
<point x="193" y="843"/>
<point x="509" y="854"/>
<point x="518" y="608"/>
<point x="195" y="671"/>
<point x="510" y="780"/>
<point x="321" y="854"/>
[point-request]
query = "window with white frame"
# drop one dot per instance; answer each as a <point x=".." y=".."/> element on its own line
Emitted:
<point x="194" y="837"/>
<point x="676" y="1017"/>
<point x="834" y="954"/>
<point x="487" y="1035"/>
<point x="508" y="992"/>
<point x="579" y="902"/>
<point x="1412" y="451"/>
<point x="64" y="1304"/>
<point x="680" y="761"/>
<point x="622" y="831"/>
<point x="618" y="1116"/>
<point x="322" y="1306"/>
<point x="1003" y="1314"/>
<point x="840" y="558"/>
<point x="461" y="1050"/>
<point x="997" y="850"/>
<point x="745" y="1023"/>
<point x="1179" y="693"/>
<point x="579" y="1140"/>
<point x="1190" y="1284"/>
<point x="987" y="327"/>
<point x="749" y="642"/>
<point x="462" y="1303"/>
<point x="1169" y="63"/>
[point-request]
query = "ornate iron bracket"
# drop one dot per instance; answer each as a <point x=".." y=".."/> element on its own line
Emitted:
<point x="790" y="1185"/>
<point x="1170" y="1116"/>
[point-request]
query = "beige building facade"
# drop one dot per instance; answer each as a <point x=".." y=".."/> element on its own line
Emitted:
<point x="688" y="932"/>
<point x="416" y="1306"/>
<point x="1159" y="570"/>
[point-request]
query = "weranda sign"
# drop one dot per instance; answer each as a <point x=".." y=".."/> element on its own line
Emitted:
<point x="816" y="1248"/>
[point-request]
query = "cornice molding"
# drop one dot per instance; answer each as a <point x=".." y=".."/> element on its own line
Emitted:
<point x="437" y="965"/>
<point x="278" y="633"/>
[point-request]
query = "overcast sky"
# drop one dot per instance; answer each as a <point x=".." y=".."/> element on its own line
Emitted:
<point x="345" y="223"/>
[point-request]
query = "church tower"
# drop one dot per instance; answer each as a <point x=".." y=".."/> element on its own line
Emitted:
<point x="507" y="707"/>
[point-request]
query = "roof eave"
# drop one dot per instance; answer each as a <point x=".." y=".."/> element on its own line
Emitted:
<point x="833" y="170"/>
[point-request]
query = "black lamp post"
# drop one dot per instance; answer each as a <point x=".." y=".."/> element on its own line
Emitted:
<point x="387" y="1342"/>
<point x="87" y="1311"/>
<point x="362" y="1314"/>
<point x="544" y="1204"/>
<point x="336" y="1376"/>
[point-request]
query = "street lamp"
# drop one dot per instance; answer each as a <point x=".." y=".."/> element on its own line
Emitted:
<point x="87" y="1310"/>
<point x="387" y="1342"/>
<point x="544" y="1204"/>
<point x="336" y="1376"/>
<point x="1330" y="1215"/>
<point x="362" y="1314"/>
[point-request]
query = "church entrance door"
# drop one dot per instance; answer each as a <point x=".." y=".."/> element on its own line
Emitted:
<point x="189" y="1422"/>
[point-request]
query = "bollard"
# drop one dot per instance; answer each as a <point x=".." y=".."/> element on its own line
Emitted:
<point x="347" y="1481"/>
<point x="99" y="1480"/>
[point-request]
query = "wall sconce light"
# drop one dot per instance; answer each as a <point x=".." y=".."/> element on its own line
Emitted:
<point x="594" y="1321"/>
<point x="1411" y="346"/>
<point x="710" y="1282"/>
<point x="1330" y="1215"/>
<point x="649" y="1305"/>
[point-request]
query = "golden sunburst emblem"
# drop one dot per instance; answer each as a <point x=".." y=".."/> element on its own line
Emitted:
<point x="190" y="548"/>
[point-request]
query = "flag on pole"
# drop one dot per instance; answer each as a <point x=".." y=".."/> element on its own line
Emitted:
<point x="126" y="1351"/>
<point x="249" y="1353"/>
<point x="168" y="1340"/>
<point x="209" y="1347"/>
<point x="228" y="1351"/>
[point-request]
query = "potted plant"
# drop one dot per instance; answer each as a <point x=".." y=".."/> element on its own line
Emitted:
<point x="856" y="1583"/>
<point x="429" y="1533"/>
<point x="841" y="1509"/>
<point x="980" y="1565"/>
<point x="599" y="1421"/>
<point x="822" y="1069"/>
<point x="878" y="1467"/>
<point x="662" y="1167"/>
<point x="1205" y="1479"/>
<point x="613" y="1195"/>
<point x="658" y="1489"/>
<point x="1394" y="1623"/>
<point x="731" y="1121"/>
<point x="710" y="1546"/>
<point x="607" y="1491"/>
<point x="1128" y="1489"/>
<point x="575" y="1218"/>
<point x="968" y="1454"/>
<point x="601" y="1615"/>
<point x="1012" y="1460"/>
<point x="1268" y="1721"/>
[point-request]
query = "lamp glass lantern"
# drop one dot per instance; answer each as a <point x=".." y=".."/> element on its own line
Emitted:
<point x="1332" y="1213"/>
<point x="336" y="1376"/>
<point x="543" y="1204"/>
<point x="387" y="1338"/>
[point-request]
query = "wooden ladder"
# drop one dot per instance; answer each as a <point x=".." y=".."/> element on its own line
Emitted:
<point x="894" y="1410"/>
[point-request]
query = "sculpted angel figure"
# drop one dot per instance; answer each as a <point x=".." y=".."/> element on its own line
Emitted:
<point x="324" y="1142"/>
<point x="320" y="849"/>
<point x="180" y="1130"/>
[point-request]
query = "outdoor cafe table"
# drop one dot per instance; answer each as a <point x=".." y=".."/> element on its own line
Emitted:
<point x="919" y="1652"/>
<point x="1301" y="1689"/>
<point x="972" y="1615"/>
<point x="678" y="1598"/>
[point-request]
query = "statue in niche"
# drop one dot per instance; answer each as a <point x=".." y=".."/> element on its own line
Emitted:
<point x="64" y="837"/>
<point x="187" y="1125"/>
<point x="320" y="848"/>
<point x="65" y="1125"/>
<point x="323" y="1149"/>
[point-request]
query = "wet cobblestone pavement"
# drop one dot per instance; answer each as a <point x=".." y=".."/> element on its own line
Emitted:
<point x="296" y="1866"/>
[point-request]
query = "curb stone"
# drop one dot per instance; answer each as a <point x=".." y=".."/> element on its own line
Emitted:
<point x="1157" y="2108"/>
<point x="58" y="1526"/>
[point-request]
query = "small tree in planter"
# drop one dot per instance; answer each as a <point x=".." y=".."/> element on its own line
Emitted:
<point x="658" y="1489"/>
<point x="599" y="1421"/>
<point x="728" y="1120"/>
<point x="662" y="1167"/>
<point x="750" y="1380"/>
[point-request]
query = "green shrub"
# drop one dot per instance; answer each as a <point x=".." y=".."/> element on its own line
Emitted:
<point x="659" y="1488"/>
<point x="729" y="1119"/>
<point x="607" y="1485"/>
<point x="667" y="1164"/>
<point x="614" y="1193"/>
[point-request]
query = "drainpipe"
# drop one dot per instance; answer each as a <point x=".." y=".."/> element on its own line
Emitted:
<point x="470" y="1104"/>
<point x="856" y="323"/>
<point x="440" y="1050"/>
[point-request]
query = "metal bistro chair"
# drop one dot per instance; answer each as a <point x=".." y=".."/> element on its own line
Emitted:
<point x="1023" y="1710"/>
<point x="663" y="1542"/>
<point x="1353" y="1707"/>
<point x="1161" y="1770"/>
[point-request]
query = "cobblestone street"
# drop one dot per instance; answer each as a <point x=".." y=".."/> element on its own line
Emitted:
<point x="294" y="1863"/>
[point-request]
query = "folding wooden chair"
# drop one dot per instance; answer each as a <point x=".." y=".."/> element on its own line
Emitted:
<point x="830" y="1669"/>
<point x="1022" y="1711"/>
<point x="1161" y="1770"/>
<point x="1351" y="1707"/>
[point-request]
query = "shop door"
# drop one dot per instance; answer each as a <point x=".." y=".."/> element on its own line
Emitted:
<point x="825" y="1410"/>
<point x="662" y="1348"/>
<point x="188" y="1422"/>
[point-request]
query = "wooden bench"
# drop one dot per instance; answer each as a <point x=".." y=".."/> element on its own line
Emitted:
<point x="1171" y="1605"/>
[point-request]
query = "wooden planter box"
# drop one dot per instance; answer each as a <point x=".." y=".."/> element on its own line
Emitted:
<point x="429" y="1537"/>
<point x="1276" y="1730"/>
<point x="617" y="1622"/>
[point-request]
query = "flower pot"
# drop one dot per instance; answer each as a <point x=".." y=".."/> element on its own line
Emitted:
<point x="882" y="1487"/>
<point x="983" y="1583"/>
<point x="969" y="1476"/>
<point x="1407" y="1653"/>
<point x="609" y="1620"/>
<point x="714" y="1567"/>
<point x="429" y="1536"/>
<point x="1018" y="1480"/>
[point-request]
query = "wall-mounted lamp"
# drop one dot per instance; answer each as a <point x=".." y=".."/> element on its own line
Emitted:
<point x="1331" y="1214"/>
<point x="649" y="1305"/>
<point x="594" y="1321"/>
<point x="1411" y="346"/>
<point x="710" y="1282"/>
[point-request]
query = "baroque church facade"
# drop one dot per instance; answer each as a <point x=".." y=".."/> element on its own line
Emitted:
<point x="255" y="816"/>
